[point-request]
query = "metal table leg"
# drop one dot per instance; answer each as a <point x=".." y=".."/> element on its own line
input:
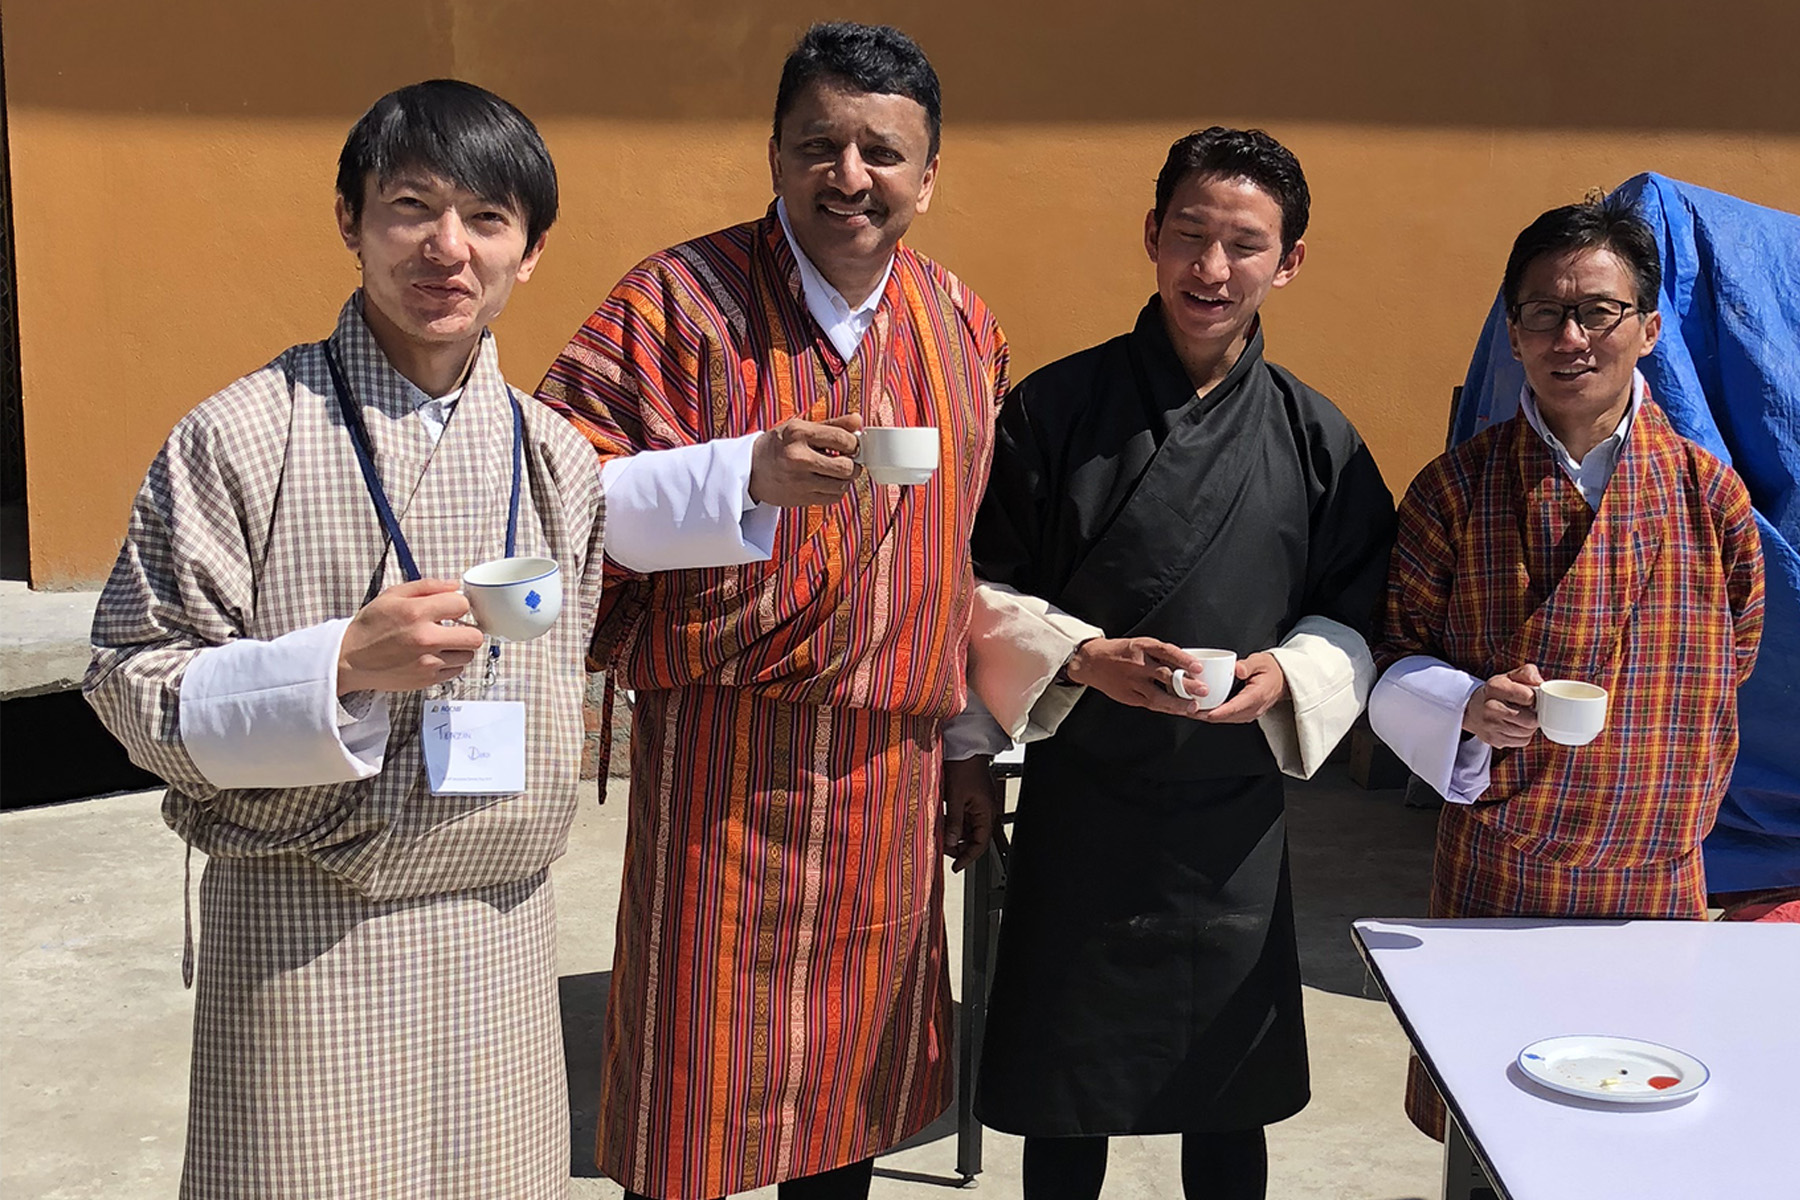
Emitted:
<point x="1463" y="1177"/>
<point x="984" y="890"/>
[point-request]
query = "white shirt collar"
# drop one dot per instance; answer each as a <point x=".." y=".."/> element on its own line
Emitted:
<point x="844" y="325"/>
<point x="1593" y="473"/>
<point x="434" y="411"/>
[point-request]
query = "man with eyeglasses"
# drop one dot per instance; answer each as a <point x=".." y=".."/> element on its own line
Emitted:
<point x="1583" y="539"/>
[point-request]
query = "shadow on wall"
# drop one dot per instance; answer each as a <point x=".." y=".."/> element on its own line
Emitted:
<point x="1671" y="66"/>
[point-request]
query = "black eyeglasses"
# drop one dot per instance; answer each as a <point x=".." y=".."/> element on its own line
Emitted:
<point x="1598" y="315"/>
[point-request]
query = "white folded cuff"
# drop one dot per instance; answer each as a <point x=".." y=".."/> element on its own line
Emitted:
<point x="1017" y="645"/>
<point x="1417" y="709"/>
<point x="686" y="508"/>
<point x="973" y="732"/>
<point x="1329" y="674"/>
<point x="260" y="714"/>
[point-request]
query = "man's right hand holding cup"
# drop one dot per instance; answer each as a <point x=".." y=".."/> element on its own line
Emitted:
<point x="408" y="638"/>
<point x="801" y="463"/>
<point x="1500" y="712"/>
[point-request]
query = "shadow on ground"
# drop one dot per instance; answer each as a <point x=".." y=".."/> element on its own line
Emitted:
<point x="61" y="752"/>
<point x="1353" y="853"/>
<point x="583" y="1018"/>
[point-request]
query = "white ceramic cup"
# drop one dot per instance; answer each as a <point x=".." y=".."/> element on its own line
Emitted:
<point x="514" y="599"/>
<point x="899" y="454"/>
<point x="1216" y="671"/>
<point x="1571" y="713"/>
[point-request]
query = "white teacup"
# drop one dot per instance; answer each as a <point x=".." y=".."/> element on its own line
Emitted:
<point x="1571" y="713"/>
<point x="899" y="454"/>
<point x="514" y="599"/>
<point x="1216" y="672"/>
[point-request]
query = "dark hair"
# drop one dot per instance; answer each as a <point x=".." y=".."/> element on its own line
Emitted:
<point x="1221" y="153"/>
<point x="1597" y="223"/>
<point x="878" y="59"/>
<point x="459" y="132"/>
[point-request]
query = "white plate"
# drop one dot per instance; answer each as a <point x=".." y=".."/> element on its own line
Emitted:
<point x="1617" y="1070"/>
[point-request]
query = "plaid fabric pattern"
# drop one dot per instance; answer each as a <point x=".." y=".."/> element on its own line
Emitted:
<point x="253" y="522"/>
<point x="346" y="1048"/>
<point x="779" y="1000"/>
<point x="1477" y="872"/>
<point x="1657" y="597"/>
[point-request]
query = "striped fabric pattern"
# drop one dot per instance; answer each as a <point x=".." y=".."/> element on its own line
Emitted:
<point x="864" y="604"/>
<point x="779" y="1004"/>
<point x="376" y="1013"/>
<point x="1656" y="597"/>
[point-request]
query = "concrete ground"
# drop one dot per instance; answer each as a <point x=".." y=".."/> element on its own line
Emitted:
<point x="95" y="1042"/>
<point x="43" y="639"/>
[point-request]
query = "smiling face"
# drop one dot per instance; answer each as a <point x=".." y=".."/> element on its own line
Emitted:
<point x="854" y="169"/>
<point x="1217" y="254"/>
<point x="1579" y="375"/>
<point x="438" y="262"/>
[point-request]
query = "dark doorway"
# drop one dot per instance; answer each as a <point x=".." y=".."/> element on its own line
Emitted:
<point x="53" y="748"/>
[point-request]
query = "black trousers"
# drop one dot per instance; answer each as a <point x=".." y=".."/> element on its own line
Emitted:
<point x="848" y="1182"/>
<point x="1214" y="1166"/>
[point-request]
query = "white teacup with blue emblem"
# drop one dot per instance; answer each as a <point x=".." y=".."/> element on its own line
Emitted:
<point x="514" y="599"/>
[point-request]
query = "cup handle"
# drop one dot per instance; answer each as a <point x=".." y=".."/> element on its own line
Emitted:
<point x="468" y="618"/>
<point x="1175" y="684"/>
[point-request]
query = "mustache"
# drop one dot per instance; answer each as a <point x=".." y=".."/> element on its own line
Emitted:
<point x="863" y="199"/>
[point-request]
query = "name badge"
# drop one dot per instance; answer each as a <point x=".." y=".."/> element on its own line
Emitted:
<point x="475" y="747"/>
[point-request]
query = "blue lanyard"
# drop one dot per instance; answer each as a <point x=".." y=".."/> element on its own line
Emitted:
<point x="365" y="458"/>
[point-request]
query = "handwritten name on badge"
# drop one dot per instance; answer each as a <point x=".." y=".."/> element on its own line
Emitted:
<point x="475" y="747"/>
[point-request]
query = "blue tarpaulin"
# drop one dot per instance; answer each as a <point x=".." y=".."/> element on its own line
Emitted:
<point x="1727" y="373"/>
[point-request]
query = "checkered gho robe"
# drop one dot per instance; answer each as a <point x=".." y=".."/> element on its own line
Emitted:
<point x="377" y="1009"/>
<point x="1656" y="597"/>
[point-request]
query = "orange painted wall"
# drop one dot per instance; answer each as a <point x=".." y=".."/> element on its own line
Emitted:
<point x="173" y="162"/>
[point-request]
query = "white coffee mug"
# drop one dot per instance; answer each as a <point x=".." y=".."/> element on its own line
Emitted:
<point x="514" y="599"/>
<point x="899" y="454"/>
<point x="1571" y="713"/>
<point x="1216" y="672"/>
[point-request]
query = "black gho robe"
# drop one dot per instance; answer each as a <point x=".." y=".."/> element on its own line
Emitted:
<point x="1147" y="977"/>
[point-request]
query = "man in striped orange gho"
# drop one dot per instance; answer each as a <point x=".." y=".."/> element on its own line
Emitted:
<point x="780" y="1008"/>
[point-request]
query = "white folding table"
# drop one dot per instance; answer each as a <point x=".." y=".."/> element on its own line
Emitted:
<point x="1472" y="994"/>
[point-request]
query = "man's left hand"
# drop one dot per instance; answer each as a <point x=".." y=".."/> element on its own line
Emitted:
<point x="972" y="801"/>
<point x="1265" y="685"/>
